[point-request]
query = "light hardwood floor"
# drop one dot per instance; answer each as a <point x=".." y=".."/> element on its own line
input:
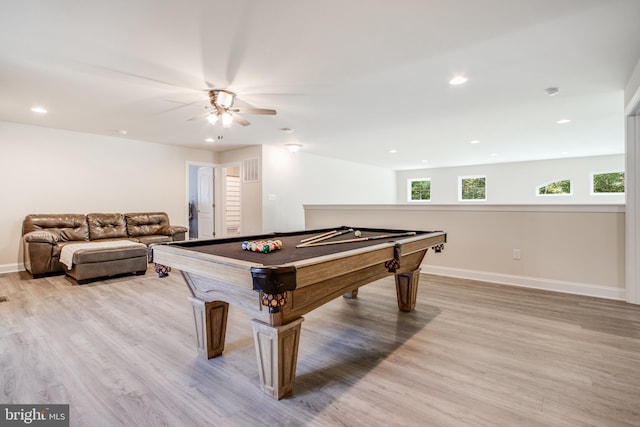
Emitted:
<point x="122" y="352"/>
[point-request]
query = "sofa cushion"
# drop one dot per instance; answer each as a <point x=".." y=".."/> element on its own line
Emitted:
<point x="106" y="226"/>
<point x="66" y="226"/>
<point x="84" y="256"/>
<point x="146" y="224"/>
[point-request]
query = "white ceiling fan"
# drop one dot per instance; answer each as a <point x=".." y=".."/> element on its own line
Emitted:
<point x="222" y="104"/>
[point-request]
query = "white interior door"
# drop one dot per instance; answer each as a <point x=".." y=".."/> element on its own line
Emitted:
<point x="205" y="203"/>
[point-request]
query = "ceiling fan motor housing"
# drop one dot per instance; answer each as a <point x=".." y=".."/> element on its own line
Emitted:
<point x="222" y="98"/>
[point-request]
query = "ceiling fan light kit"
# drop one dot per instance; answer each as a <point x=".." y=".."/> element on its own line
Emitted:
<point x="227" y="119"/>
<point x="222" y="102"/>
<point x="212" y="118"/>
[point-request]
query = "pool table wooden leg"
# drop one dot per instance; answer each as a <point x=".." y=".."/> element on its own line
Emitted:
<point x="277" y="354"/>
<point x="407" y="289"/>
<point x="351" y="295"/>
<point x="211" y="326"/>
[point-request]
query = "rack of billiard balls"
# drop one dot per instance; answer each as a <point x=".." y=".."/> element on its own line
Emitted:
<point x="262" y="246"/>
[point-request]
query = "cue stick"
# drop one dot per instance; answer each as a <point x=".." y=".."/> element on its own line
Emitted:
<point x="318" y="239"/>
<point x="361" y="239"/>
<point x="319" y="236"/>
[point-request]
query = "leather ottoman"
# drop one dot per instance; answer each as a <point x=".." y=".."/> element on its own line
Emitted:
<point x="94" y="263"/>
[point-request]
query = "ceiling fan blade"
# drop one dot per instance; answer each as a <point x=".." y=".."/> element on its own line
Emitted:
<point x="180" y="105"/>
<point x="223" y="52"/>
<point x="207" y="110"/>
<point x="200" y="116"/>
<point x="183" y="103"/>
<point x="108" y="71"/>
<point x="236" y="55"/>
<point x="240" y="120"/>
<point x="265" y="111"/>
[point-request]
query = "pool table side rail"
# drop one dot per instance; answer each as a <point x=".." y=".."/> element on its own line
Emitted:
<point x="419" y="242"/>
<point x="236" y="272"/>
<point x="318" y="269"/>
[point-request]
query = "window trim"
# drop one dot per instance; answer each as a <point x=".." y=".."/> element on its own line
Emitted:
<point x="409" y="182"/>
<point x="461" y="178"/>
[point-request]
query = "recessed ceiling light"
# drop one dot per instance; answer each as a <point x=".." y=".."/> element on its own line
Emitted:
<point x="494" y="154"/>
<point x="209" y="140"/>
<point x="287" y="130"/>
<point x="425" y="161"/>
<point x="294" y="148"/>
<point x="458" y="80"/>
<point x="393" y="151"/>
<point x="563" y="121"/>
<point x="475" y="141"/>
<point x="39" y="110"/>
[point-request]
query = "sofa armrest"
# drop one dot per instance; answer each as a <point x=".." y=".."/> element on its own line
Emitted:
<point x="177" y="232"/>
<point x="41" y="236"/>
<point x="172" y="230"/>
<point x="39" y="249"/>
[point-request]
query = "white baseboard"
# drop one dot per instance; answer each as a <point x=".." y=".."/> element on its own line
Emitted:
<point x="529" y="282"/>
<point x="11" y="268"/>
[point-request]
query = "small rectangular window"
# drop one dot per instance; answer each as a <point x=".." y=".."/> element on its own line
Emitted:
<point x="607" y="183"/>
<point x="419" y="190"/>
<point x="472" y="188"/>
<point x="556" y="188"/>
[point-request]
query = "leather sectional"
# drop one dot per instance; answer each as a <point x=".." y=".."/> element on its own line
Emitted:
<point x="102" y="244"/>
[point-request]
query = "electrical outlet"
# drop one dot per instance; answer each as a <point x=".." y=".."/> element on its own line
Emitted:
<point x="516" y="254"/>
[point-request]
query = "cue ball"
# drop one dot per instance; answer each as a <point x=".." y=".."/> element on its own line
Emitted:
<point x="358" y="233"/>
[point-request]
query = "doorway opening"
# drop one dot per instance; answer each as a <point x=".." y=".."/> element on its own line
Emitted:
<point x="201" y="202"/>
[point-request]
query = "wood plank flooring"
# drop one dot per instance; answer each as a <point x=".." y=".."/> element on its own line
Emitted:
<point x="122" y="352"/>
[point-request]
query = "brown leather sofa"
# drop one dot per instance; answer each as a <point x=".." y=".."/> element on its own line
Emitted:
<point x="44" y="236"/>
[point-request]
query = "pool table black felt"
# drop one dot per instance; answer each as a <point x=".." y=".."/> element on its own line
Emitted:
<point x="232" y="248"/>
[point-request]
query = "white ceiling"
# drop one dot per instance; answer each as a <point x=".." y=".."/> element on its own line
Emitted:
<point x="354" y="78"/>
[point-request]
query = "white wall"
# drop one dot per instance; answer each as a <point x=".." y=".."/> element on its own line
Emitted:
<point x="46" y="170"/>
<point x="567" y="248"/>
<point x="292" y="180"/>
<point x="514" y="183"/>
<point x="250" y="192"/>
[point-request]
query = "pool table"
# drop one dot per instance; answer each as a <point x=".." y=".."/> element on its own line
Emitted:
<point x="277" y="288"/>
